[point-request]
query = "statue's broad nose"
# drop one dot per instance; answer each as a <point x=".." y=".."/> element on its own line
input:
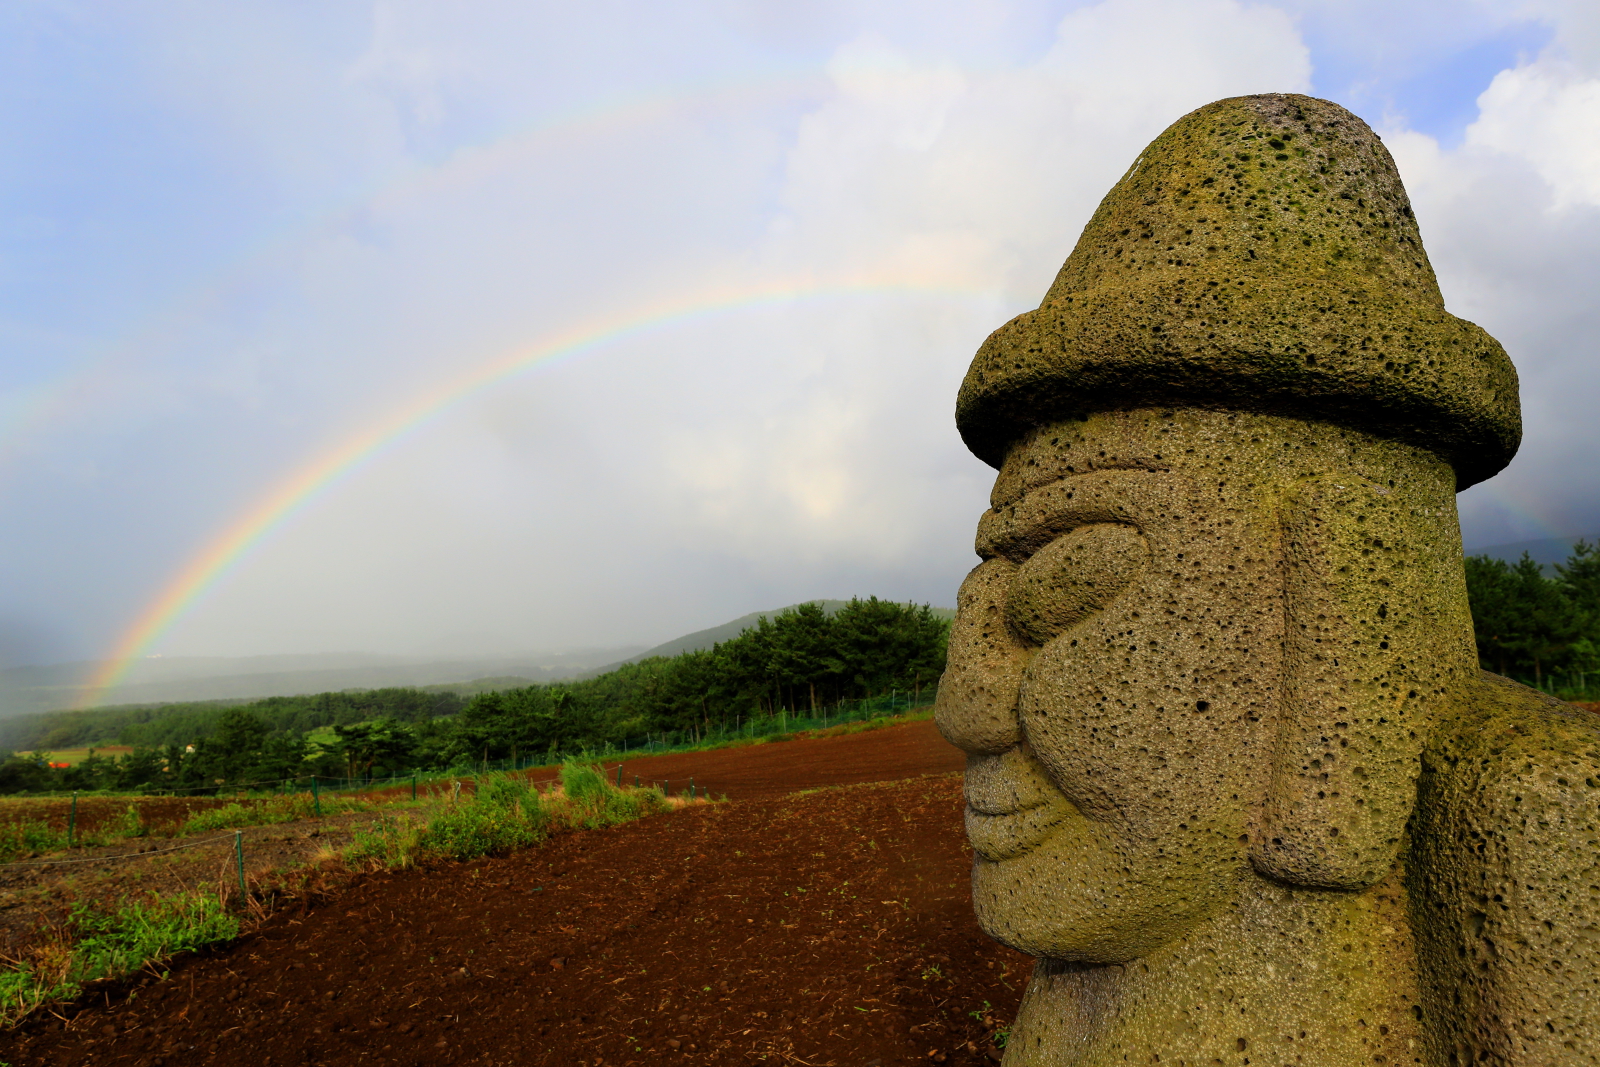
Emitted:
<point x="977" y="706"/>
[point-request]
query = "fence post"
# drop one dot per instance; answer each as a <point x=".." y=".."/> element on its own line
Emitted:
<point x="413" y="785"/>
<point x="316" y="796"/>
<point x="238" y="847"/>
<point x="72" y="821"/>
<point x="691" y="789"/>
<point x="619" y="776"/>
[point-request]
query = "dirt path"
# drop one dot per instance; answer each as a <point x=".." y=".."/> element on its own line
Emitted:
<point x="831" y="928"/>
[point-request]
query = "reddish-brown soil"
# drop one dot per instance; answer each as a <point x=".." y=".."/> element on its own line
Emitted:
<point x="832" y="927"/>
<point x="161" y="815"/>
<point x="740" y="773"/>
<point x="761" y="772"/>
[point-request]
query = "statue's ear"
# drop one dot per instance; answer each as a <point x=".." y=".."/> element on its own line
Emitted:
<point x="1358" y="633"/>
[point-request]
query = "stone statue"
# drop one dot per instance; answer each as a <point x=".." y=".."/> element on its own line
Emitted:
<point x="1234" y="775"/>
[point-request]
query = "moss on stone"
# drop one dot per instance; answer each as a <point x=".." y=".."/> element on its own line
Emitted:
<point x="1261" y="254"/>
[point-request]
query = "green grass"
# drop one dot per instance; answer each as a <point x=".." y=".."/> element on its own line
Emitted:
<point x="75" y="756"/>
<point x="111" y="943"/>
<point x="388" y="841"/>
<point x="505" y="813"/>
<point x="28" y="839"/>
<point x="508" y="812"/>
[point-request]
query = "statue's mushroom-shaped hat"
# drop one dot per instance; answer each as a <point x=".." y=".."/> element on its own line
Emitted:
<point x="1260" y="255"/>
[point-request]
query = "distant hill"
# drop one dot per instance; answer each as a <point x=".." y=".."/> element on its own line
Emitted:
<point x="703" y="639"/>
<point x="189" y="678"/>
<point x="26" y="690"/>
<point x="1547" y="551"/>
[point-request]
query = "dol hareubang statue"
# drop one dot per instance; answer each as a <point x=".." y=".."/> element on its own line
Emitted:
<point x="1235" y="777"/>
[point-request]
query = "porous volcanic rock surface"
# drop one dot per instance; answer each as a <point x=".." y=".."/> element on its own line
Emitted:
<point x="820" y="928"/>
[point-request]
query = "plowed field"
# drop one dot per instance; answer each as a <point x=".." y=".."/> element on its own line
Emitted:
<point x="829" y="927"/>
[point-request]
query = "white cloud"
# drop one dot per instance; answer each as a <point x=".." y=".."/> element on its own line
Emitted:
<point x="1547" y="113"/>
<point x="1511" y="219"/>
<point x="456" y="183"/>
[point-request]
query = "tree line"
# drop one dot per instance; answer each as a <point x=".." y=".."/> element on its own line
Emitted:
<point x="156" y="726"/>
<point x="1530" y="625"/>
<point x="799" y="662"/>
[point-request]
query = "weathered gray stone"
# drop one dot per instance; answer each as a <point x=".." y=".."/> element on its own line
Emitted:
<point x="1234" y="777"/>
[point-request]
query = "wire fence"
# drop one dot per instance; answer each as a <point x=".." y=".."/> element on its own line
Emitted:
<point x="1576" y="685"/>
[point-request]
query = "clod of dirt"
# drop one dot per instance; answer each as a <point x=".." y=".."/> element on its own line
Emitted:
<point x="674" y="1044"/>
<point x="557" y="964"/>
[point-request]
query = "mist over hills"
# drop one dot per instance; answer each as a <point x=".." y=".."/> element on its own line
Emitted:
<point x="29" y="689"/>
<point x="185" y="678"/>
<point x="1546" y="551"/>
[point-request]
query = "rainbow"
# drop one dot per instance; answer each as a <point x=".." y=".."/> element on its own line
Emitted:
<point x="47" y="403"/>
<point x="294" y="493"/>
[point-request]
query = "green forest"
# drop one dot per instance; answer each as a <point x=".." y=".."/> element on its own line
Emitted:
<point x="801" y="661"/>
<point x="1543" y="630"/>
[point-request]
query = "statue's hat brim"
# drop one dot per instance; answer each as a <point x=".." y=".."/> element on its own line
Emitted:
<point x="1261" y="254"/>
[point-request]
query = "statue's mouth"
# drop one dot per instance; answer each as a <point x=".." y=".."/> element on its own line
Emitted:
<point x="1011" y="804"/>
<point x="1012" y="834"/>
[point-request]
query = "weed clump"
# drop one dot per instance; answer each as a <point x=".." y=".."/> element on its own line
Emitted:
<point x="28" y="839"/>
<point x="97" y="943"/>
<point x="503" y="814"/>
<point x="589" y="799"/>
<point x="509" y="812"/>
<point x="391" y="841"/>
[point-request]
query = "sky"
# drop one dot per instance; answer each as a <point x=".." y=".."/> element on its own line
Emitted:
<point x="485" y="327"/>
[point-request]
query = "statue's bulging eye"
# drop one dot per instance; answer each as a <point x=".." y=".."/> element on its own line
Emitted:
<point x="1073" y="577"/>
